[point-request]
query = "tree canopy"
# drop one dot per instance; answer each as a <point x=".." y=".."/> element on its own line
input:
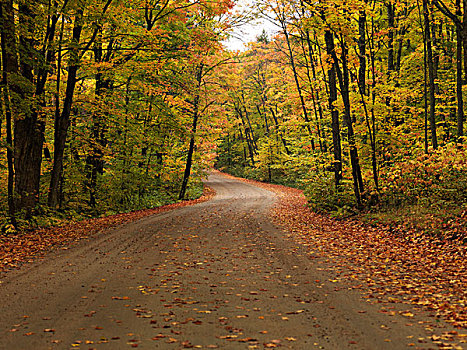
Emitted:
<point x="112" y="105"/>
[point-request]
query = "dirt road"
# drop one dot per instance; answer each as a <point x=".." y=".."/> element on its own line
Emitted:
<point x="213" y="275"/>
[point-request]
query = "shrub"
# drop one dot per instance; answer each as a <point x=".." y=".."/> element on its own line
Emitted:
<point x="323" y="196"/>
<point x="435" y="179"/>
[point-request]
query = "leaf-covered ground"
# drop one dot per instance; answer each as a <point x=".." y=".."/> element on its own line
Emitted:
<point x="17" y="249"/>
<point x="214" y="275"/>
<point x="389" y="267"/>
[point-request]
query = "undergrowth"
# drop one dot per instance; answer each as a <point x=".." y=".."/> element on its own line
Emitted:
<point x="426" y="193"/>
<point x="43" y="217"/>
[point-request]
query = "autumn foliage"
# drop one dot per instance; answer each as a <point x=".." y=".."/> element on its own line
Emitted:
<point x="361" y="105"/>
<point x="98" y="104"/>
<point x="386" y="264"/>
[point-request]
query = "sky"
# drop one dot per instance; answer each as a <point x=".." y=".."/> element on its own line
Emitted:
<point x="248" y="32"/>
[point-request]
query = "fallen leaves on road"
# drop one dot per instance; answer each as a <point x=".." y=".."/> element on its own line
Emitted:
<point x="16" y="249"/>
<point x="419" y="270"/>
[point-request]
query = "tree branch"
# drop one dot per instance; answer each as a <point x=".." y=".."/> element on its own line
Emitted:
<point x="445" y="11"/>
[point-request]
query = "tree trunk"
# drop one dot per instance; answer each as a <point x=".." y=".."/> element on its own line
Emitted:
<point x="248" y="136"/>
<point x="391" y="27"/>
<point x="9" y="66"/>
<point x="459" y="83"/>
<point x="461" y="46"/>
<point x="28" y="129"/>
<point x="336" y="136"/>
<point x="276" y="122"/>
<point x="314" y="98"/>
<point x="464" y="38"/>
<point x="265" y="117"/>
<point x="362" y="51"/>
<point x="95" y="161"/>
<point x="371" y="133"/>
<point x="191" y="148"/>
<point x="297" y="83"/>
<point x="343" y="78"/>
<point x="62" y="121"/>
<point x="345" y="92"/>
<point x="460" y="101"/>
<point x="321" y="131"/>
<point x="435" y="52"/>
<point x="400" y="43"/>
<point x="372" y="128"/>
<point x="250" y="128"/>
<point x="431" y="74"/>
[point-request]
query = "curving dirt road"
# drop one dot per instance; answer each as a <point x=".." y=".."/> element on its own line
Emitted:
<point x="214" y="275"/>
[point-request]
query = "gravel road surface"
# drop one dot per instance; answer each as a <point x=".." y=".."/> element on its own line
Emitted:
<point x="214" y="275"/>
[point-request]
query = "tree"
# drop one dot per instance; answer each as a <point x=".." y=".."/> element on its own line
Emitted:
<point x="431" y="74"/>
<point x="461" y="44"/>
<point x="9" y="67"/>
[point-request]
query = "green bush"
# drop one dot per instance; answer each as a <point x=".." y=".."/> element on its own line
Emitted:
<point x="323" y="196"/>
<point x="437" y="179"/>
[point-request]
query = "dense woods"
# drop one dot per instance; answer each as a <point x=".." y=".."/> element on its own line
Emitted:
<point x="361" y="103"/>
<point x="110" y="106"/>
<point x="101" y="101"/>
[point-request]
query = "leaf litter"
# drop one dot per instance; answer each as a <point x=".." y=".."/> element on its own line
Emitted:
<point x="27" y="246"/>
<point x="388" y="266"/>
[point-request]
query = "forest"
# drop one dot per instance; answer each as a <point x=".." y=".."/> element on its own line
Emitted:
<point x="112" y="106"/>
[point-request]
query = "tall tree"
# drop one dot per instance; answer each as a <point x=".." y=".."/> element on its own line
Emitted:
<point x="431" y="73"/>
<point x="9" y="69"/>
<point x="29" y="126"/>
<point x="336" y="138"/>
<point x="461" y="46"/>
<point x="280" y="12"/>
<point x="62" y="120"/>
<point x="191" y="147"/>
<point x="390" y="7"/>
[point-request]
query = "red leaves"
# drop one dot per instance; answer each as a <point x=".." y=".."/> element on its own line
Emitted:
<point x="387" y="263"/>
<point x="15" y="249"/>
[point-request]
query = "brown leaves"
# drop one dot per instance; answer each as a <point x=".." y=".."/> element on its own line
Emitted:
<point x="158" y="337"/>
<point x="295" y="312"/>
<point x="395" y="266"/>
<point x="15" y="249"/>
<point x="272" y="344"/>
<point x="246" y="340"/>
